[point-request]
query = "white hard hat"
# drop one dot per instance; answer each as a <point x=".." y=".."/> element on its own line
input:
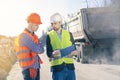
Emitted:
<point x="55" y="18"/>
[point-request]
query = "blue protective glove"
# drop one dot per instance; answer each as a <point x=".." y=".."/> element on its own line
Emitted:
<point x="41" y="48"/>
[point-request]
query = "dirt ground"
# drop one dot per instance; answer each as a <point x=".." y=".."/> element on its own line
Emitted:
<point x="83" y="71"/>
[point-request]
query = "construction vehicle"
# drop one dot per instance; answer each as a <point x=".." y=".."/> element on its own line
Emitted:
<point x="97" y="34"/>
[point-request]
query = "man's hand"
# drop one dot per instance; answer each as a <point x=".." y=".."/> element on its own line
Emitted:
<point x="74" y="53"/>
<point x="56" y="53"/>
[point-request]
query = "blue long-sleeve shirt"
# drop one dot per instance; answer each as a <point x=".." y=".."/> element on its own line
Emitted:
<point x="25" y="40"/>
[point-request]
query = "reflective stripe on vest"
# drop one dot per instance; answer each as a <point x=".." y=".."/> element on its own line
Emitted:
<point x="25" y="56"/>
<point x="60" y="44"/>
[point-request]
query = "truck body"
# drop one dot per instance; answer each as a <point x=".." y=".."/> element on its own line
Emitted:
<point x="97" y="34"/>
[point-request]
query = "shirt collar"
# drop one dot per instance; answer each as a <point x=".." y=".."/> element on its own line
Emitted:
<point x="29" y="31"/>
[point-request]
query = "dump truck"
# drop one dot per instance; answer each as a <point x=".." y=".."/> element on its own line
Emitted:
<point x="97" y="34"/>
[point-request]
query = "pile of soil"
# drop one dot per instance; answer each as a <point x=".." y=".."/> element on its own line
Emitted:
<point x="7" y="56"/>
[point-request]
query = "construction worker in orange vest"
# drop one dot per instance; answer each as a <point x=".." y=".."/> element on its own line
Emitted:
<point x="28" y="47"/>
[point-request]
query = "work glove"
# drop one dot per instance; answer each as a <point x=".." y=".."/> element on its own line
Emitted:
<point x="41" y="47"/>
<point x="33" y="73"/>
<point x="41" y="61"/>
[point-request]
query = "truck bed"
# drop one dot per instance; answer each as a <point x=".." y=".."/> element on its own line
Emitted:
<point x="102" y="22"/>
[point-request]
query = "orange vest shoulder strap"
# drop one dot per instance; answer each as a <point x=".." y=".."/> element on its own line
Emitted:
<point x="34" y="38"/>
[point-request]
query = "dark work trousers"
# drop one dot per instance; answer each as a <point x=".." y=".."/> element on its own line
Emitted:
<point x="65" y="74"/>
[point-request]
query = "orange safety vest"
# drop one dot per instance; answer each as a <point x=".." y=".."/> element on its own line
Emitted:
<point x="25" y="56"/>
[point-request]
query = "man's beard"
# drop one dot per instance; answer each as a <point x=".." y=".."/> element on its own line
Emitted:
<point x="56" y="29"/>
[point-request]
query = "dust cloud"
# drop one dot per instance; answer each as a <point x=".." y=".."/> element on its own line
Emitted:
<point x="104" y="31"/>
<point x="116" y="50"/>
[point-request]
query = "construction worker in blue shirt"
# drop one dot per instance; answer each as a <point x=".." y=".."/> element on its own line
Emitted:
<point x="28" y="47"/>
<point x="60" y="50"/>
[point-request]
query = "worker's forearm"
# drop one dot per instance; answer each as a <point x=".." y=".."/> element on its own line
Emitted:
<point x="35" y="48"/>
<point x="27" y="41"/>
<point x="67" y="51"/>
